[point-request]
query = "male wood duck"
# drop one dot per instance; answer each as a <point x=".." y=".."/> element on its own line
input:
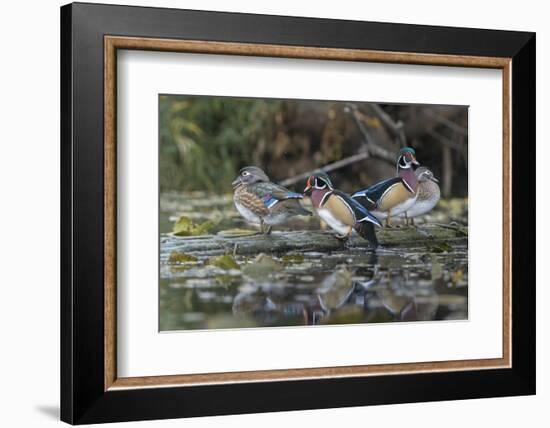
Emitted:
<point x="339" y="211"/>
<point x="262" y="202"/>
<point x="396" y="195"/>
<point x="428" y="194"/>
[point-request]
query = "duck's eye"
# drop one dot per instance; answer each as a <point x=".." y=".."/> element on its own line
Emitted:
<point x="245" y="173"/>
<point x="320" y="184"/>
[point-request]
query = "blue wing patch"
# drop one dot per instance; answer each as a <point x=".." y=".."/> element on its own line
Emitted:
<point x="270" y="200"/>
<point x="292" y="195"/>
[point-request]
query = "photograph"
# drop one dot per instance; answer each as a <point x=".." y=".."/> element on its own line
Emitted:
<point x="290" y="212"/>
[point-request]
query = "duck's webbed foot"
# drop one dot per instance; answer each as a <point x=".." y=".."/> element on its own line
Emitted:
<point x="388" y="221"/>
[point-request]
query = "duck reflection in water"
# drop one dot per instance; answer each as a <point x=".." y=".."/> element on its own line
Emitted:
<point x="343" y="297"/>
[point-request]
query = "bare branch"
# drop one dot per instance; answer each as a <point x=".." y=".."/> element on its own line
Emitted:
<point x="395" y="127"/>
<point x="447" y="122"/>
<point x="367" y="137"/>
<point x="445" y="140"/>
<point x="370" y="149"/>
<point x="374" y="149"/>
<point x="327" y="168"/>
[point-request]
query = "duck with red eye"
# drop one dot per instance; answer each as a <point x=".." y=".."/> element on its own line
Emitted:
<point x="394" y="196"/>
<point x="262" y="202"/>
<point x="339" y="211"/>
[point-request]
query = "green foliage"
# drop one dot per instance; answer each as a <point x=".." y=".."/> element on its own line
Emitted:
<point x="204" y="141"/>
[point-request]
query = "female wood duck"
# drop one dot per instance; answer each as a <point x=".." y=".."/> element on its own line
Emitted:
<point x="262" y="202"/>
<point x="395" y="195"/>
<point x="428" y="194"/>
<point x="339" y="211"/>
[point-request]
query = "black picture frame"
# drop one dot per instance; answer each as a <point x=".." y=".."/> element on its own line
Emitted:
<point x="83" y="398"/>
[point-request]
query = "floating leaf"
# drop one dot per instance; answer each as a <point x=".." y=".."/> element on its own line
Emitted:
<point x="186" y="227"/>
<point x="237" y="232"/>
<point x="183" y="225"/>
<point x="461" y="231"/>
<point x="177" y="257"/>
<point x="293" y="258"/>
<point x="226" y="280"/>
<point x="457" y="276"/>
<point x="224" y="262"/>
<point x="443" y="247"/>
<point x="262" y="265"/>
<point x="392" y="261"/>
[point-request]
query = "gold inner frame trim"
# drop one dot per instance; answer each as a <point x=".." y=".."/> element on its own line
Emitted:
<point x="113" y="43"/>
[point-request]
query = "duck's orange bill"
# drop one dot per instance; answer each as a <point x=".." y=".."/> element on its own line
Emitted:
<point x="308" y="185"/>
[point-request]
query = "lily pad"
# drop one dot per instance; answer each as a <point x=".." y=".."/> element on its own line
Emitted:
<point x="187" y="227"/>
<point x="224" y="262"/>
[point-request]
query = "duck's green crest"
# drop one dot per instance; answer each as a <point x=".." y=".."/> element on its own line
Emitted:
<point x="406" y="150"/>
<point x="324" y="176"/>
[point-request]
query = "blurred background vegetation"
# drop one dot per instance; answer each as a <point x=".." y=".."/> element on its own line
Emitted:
<point x="204" y="141"/>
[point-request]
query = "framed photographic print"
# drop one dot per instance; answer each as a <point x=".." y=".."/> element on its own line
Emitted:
<point x="265" y="213"/>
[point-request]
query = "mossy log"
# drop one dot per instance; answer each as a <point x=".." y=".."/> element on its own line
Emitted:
<point x="306" y="240"/>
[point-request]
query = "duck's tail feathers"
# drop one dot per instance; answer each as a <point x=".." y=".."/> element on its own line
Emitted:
<point x="370" y="218"/>
<point x="366" y="230"/>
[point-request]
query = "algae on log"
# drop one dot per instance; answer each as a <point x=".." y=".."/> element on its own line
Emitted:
<point x="305" y="240"/>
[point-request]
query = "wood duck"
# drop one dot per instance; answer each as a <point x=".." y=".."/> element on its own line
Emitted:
<point x="262" y="202"/>
<point x="340" y="211"/>
<point x="428" y="194"/>
<point x="394" y="196"/>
